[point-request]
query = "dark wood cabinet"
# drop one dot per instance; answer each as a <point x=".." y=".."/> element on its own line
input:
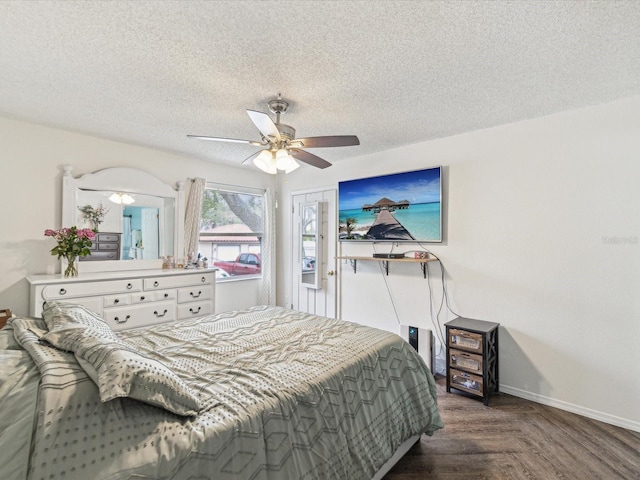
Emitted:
<point x="106" y="246"/>
<point x="472" y="357"/>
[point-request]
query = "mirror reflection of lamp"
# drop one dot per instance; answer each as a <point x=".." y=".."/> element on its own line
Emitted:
<point x="122" y="198"/>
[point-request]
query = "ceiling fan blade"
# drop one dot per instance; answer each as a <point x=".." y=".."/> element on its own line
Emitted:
<point x="264" y="124"/>
<point x="251" y="157"/>
<point x="329" y="141"/>
<point x="232" y="140"/>
<point x="309" y="158"/>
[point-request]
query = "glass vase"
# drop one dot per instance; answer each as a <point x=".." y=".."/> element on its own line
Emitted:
<point x="72" y="266"/>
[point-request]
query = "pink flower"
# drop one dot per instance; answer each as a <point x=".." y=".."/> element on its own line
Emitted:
<point x="72" y="242"/>
<point x="86" y="233"/>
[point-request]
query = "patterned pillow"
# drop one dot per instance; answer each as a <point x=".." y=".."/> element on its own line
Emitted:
<point x="67" y="321"/>
<point x="117" y="369"/>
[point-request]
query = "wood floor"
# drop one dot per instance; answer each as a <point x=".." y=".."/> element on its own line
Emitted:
<point x="514" y="438"/>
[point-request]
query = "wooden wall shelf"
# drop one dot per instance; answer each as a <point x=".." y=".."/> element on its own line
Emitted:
<point x="385" y="262"/>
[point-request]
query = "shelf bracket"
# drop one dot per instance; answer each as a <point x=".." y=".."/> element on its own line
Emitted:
<point x="385" y="264"/>
<point x="423" y="266"/>
<point x="354" y="264"/>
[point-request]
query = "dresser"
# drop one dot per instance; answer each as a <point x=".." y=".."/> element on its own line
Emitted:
<point x="106" y="246"/>
<point x="130" y="299"/>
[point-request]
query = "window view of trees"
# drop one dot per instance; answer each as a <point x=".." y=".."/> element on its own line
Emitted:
<point x="231" y="229"/>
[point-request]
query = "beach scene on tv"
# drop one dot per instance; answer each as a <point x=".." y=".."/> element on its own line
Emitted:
<point x="402" y="207"/>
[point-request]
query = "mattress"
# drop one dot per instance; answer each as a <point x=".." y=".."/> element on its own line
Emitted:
<point x="284" y="395"/>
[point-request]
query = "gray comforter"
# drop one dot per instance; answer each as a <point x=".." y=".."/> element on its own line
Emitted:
<point x="287" y="395"/>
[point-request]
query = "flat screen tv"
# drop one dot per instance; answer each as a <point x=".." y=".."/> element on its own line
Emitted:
<point x="400" y="207"/>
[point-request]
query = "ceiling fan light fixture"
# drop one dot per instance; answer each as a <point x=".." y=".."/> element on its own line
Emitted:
<point x="292" y="166"/>
<point x="266" y="162"/>
<point x="284" y="161"/>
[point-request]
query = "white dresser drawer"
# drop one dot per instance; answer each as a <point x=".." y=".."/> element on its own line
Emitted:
<point x="140" y="315"/>
<point x="143" y="297"/>
<point x="165" y="294"/>
<point x="177" y="281"/>
<point x="116" y="300"/>
<point x="195" y="293"/>
<point x="86" y="289"/>
<point x="194" y="309"/>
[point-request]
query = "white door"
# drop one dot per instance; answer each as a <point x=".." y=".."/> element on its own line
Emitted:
<point x="320" y="301"/>
<point x="150" y="241"/>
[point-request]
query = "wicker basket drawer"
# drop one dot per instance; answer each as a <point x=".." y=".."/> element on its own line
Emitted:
<point x="466" y="361"/>
<point x="465" y="381"/>
<point x="471" y="342"/>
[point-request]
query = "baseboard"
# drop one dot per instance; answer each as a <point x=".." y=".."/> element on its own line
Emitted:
<point x="570" y="407"/>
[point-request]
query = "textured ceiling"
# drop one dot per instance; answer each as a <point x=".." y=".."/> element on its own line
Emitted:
<point x="393" y="73"/>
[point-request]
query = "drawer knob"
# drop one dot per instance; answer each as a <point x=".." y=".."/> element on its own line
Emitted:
<point x="156" y="283"/>
<point x="196" y="296"/>
<point x="142" y="298"/>
<point x="117" y="319"/>
<point x="203" y="279"/>
<point x="166" y="295"/>
<point x="196" y="311"/>
<point x="160" y="314"/>
<point x="129" y="286"/>
<point x="117" y="300"/>
<point x="62" y="291"/>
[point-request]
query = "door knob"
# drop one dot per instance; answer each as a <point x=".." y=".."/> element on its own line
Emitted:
<point x="331" y="273"/>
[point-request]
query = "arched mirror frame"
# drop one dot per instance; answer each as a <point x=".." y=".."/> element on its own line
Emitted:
<point x="123" y="180"/>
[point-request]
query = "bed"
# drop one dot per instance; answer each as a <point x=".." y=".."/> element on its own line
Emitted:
<point x="260" y="393"/>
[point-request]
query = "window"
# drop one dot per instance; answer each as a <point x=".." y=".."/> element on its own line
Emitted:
<point x="231" y="230"/>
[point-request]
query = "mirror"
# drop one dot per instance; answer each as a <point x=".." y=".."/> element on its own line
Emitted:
<point x="311" y="242"/>
<point x="142" y="220"/>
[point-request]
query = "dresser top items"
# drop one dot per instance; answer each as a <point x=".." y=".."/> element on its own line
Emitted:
<point x="101" y="276"/>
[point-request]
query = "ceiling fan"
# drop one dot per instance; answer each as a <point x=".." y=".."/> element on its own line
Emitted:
<point x="282" y="149"/>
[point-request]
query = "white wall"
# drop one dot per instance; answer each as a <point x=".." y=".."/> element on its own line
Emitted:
<point x="543" y="236"/>
<point x="32" y="156"/>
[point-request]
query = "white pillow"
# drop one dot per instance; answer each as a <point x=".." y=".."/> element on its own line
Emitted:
<point x="66" y="321"/>
<point x="117" y="369"/>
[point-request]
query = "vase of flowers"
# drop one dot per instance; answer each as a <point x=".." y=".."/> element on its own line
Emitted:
<point x="95" y="216"/>
<point x="73" y="242"/>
